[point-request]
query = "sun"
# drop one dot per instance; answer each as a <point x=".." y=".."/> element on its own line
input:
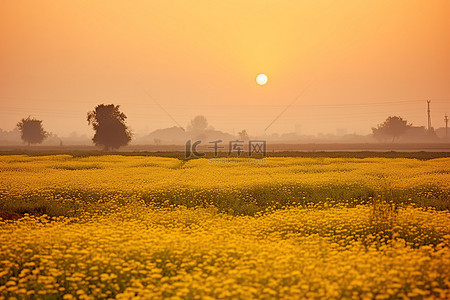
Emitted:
<point x="261" y="79"/>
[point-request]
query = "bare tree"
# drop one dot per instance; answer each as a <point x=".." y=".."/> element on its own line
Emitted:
<point x="243" y="135"/>
<point x="199" y="123"/>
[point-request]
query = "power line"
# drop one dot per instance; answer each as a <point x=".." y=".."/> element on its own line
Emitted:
<point x="162" y="108"/>
<point x="287" y="107"/>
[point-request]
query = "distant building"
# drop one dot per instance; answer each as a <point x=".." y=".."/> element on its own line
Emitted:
<point x="440" y="133"/>
<point x="418" y="134"/>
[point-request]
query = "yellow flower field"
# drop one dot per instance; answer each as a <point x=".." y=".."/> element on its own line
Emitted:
<point x="130" y="227"/>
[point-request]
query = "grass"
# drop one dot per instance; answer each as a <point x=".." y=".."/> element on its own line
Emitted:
<point x="421" y="155"/>
<point x="243" y="202"/>
<point x="68" y="186"/>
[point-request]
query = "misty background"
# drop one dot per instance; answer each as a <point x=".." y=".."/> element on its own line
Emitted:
<point x="359" y="62"/>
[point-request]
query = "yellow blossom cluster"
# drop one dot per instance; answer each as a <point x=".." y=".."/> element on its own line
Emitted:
<point x="135" y="227"/>
<point x="242" y="187"/>
<point x="199" y="253"/>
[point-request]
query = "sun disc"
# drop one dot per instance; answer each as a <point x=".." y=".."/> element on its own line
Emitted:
<point x="261" y="79"/>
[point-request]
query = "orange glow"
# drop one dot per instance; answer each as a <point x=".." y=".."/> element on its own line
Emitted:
<point x="58" y="59"/>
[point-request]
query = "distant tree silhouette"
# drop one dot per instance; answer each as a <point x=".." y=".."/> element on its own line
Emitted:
<point x="31" y="130"/>
<point x="111" y="132"/>
<point x="243" y="135"/>
<point x="199" y="123"/>
<point x="393" y="127"/>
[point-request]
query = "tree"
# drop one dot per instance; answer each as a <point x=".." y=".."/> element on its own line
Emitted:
<point x="243" y="135"/>
<point x="111" y="132"/>
<point x="199" y="123"/>
<point x="32" y="131"/>
<point x="393" y="127"/>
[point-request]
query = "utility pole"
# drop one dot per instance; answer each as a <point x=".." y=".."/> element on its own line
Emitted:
<point x="446" y="125"/>
<point x="429" y="115"/>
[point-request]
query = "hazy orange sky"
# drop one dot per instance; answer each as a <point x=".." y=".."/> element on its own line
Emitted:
<point x="361" y="60"/>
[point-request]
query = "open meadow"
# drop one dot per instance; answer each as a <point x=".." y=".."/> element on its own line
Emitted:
<point x="130" y="227"/>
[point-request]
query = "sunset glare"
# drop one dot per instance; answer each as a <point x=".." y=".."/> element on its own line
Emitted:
<point x="261" y="79"/>
<point x="368" y="59"/>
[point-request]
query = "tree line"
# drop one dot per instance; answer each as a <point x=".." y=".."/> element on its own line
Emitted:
<point x="108" y="122"/>
<point x="112" y="132"/>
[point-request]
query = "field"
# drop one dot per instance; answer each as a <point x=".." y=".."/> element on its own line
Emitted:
<point x="281" y="227"/>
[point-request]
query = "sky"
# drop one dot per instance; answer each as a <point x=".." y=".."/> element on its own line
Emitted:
<point x="332" y="66"/>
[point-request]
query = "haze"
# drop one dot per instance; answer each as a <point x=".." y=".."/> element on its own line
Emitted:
<point x="359" y="61"/>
